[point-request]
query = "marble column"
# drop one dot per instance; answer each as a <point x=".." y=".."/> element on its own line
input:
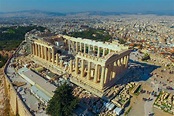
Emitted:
<point x="82" y="68"/>
<point x="40" y="51"/>
<point x="122" y="63"/>
<point x="106" y="74"/>
<point x="89" y="71"/>
<point x="76" y="66"/>
<point x="119" y="65"/>
<point x="76" y="47"/>
<point x="84" y="48"/>
<point x="43" y="49"/>
<point x="98" y="52"/>
<point x="109" y="73"/>
<point x="61" y="63"/>
<point x="42" y="56"/>
<point x="53" y="59"/>
<point x="46" y="54"/>
<point x="57" y="59"/>
<point x="36" y="50"/>
<point x="80" y="47"/>
<point x="122" y="60"/>
<point x="93" y="48"/>
<point x="89" y="48"/>
<point x="71" y="66"/>
<point x="113" y="74"/>
<point x="104" y="51"/>
<point x="96" y="73"/>
<point x="127" y="60"/>
<point x="69" y="45"/>
<point x="102" y="77"/>
<point x="33" y="49"/>
<point x="40" y="48"/>
<point x="115" y="68"/>
<point x="49" y="55"/>
<point x="99" y="73"/>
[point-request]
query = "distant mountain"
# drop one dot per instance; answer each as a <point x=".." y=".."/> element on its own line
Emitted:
<point x="31" y="13"/>
<point x="100" y="13"/>
<point x="165" y="12"/>
<point x="103" y="13"/>
<point x="38" y="13"/>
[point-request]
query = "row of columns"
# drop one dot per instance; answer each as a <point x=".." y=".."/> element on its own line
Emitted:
<point x="102" y="74"/>
<point x="48" y="54"/>
<point x="99" y="71"/>
<point x="43" y="52"/>
<point x="78" y="47"/>
<point x="116" y="68"/>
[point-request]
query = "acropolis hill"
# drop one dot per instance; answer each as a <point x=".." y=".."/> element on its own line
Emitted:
<point x="95" y="66"/>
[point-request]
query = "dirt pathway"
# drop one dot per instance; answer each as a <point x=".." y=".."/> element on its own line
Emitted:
<point x="2" y="93"/>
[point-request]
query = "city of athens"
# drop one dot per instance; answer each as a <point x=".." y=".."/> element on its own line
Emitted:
<point x="86" y="58"/>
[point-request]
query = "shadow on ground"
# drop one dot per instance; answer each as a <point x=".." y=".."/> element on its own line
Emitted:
<point x="92" y="106"/>
<point x="137" y="71"/>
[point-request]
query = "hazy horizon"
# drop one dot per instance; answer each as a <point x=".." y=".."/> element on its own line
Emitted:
<point x="90" y="5"/>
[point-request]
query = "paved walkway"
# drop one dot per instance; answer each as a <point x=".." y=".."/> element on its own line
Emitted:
<point x="148" y="106"/>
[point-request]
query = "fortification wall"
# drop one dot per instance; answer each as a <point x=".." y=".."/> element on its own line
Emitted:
<point x="16" y="104"/>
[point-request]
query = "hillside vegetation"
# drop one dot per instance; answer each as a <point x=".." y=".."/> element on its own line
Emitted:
<point x="93" y="34"/>
<point x="11" y="37"/>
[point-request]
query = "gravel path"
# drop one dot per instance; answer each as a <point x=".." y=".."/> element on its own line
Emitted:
<point x="2" y="94"/>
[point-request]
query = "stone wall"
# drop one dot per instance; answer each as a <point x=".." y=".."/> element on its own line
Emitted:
<point x="16" y="104"/>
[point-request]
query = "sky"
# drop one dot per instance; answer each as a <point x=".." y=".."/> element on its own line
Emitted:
<point x="87" y="5"/>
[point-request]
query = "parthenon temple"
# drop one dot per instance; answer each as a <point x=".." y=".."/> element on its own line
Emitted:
<point x="93" y="64"/>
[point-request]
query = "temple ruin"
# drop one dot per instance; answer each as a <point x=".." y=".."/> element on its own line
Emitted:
<point x="93" y="65"/>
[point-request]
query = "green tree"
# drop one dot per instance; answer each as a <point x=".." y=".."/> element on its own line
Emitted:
<point x="63" y="102"/>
